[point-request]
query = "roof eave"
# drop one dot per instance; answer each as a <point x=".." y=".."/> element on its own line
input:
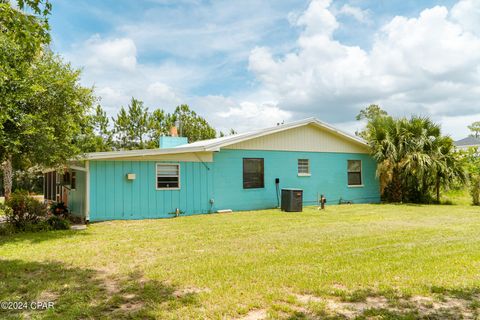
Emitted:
<point x="216" y="146"/>
<point x="139" y="153"/>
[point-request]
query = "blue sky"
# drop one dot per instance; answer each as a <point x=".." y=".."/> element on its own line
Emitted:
<point x="245" y="64"/>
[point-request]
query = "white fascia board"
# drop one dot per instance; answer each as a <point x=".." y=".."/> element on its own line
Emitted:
<point x="341" y="133"/>
<point x="78" y="168"/>
<point x="139" y="153"/>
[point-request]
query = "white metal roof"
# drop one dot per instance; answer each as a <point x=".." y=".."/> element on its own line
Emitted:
<point x="215" y="144"/>
<point x="468" y="142"/>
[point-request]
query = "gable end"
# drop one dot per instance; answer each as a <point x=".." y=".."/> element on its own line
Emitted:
<point x="310" y="138"/>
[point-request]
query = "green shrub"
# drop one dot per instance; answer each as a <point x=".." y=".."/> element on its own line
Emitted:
<point x="59" y="209"/>
<point x="26" y="214"/>
<point x="36" y="226"/>
<point x="475" y="189"/>
<point x="472" y="163"/>
<point x="57" y="223"/>
<point x="23" y="211"/>
<point x="6" y="229"/>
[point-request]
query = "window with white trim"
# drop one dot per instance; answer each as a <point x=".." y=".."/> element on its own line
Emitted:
<point x="303" y="167"/>
<point x="168" y="176"/>
<point x="354" y="169"/>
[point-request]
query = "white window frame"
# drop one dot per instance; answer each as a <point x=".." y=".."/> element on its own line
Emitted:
<point x="361" y="175"/>
<point x="303" y="174"/>
<point x="156" y="175"/>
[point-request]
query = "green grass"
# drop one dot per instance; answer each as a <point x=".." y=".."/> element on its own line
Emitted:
<point x="457" y="196"/>
<point x="225" y="265"/>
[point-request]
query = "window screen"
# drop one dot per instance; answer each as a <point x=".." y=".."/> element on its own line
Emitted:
<point x="354" y="172"/>
<point x="168" y="176"/>
<point x="303" y="166"/>
<point x="253" y="175"/>
<point x="49" y="186"/>
<point x="73" y="180"/>
<point x="66" y="178"/>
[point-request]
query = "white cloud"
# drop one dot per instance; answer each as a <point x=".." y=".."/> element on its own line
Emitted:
<point x="111" y="66"/>
<point x="226" y="113"/>
<point x="318" y="20"/>
<point x="360" y="15"/>
<point x="467" y="14"/>
<point x="112" y="99"/>
<point x="116" y="53"/>
<point x="428" y="64"/>
<point x="249" y="115"/>
<point x="163" y="93"/>
<point x="456" y="126"/>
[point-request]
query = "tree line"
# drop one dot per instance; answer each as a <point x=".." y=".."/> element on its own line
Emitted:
<point x="135" y="127"/>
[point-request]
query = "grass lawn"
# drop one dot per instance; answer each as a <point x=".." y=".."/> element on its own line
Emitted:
<point x="457" y="196"/>
<point x="390" y="261"/>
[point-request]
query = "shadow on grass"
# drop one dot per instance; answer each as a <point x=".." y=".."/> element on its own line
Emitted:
<point x="84" y="293"/>
<point x="40" y="236"/>
<point x="468" y="293"/>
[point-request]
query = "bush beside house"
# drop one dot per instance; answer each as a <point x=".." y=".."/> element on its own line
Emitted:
<point x="26" y="214"/>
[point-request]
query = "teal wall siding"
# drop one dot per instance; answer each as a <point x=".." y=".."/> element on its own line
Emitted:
<point x="112" y="196"/>
<point x="328" y="177"/>
<point x="76" y="198"/>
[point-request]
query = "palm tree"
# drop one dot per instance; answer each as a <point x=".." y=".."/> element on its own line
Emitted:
<point x="447" y="165"/>
<point x="413" y="158"/>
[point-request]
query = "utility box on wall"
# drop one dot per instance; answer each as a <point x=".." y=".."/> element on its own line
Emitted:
<point x="292" y="200"/>
<point x="131" y="176"/>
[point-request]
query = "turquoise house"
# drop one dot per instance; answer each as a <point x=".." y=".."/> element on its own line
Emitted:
<point x="239" y="172"/>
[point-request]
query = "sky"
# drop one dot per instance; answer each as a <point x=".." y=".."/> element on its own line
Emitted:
<point x="252" y="64"/>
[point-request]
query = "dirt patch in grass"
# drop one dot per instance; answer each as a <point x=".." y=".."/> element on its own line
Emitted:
<point x="108" y="281"/>
<point x="257" y="314"/>
<point x="189" y="291"/>
<point x="131" y="306"/>
<point x="423" y="307"/>
<point x="48" y="296"/>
